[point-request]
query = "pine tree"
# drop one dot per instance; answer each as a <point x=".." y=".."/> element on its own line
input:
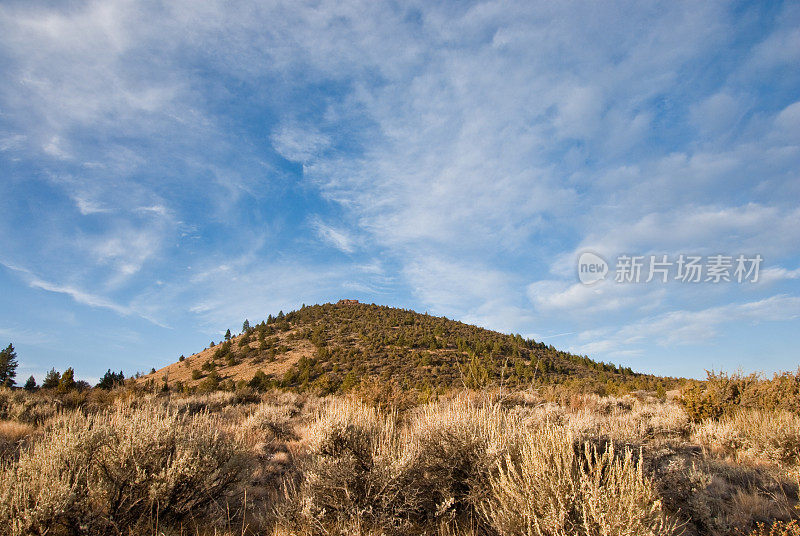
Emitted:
<point x="30" y="385"/>
<point x="8" y="366"/>
<point x="111" y="380"/>
<point x="51" y="379"/>
<point x="246" y="326"/>
<point x="228" y="335"/>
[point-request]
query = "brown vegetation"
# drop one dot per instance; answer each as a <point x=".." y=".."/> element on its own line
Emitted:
<point x="365" y="420"/>
<point x="134" y="462"/>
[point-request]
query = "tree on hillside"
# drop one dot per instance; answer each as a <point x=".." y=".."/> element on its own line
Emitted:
<point x="67" y="382"/>
<point x="228" y="335"/>
<point x="111" y="380"/>
<point x="260" y="381"/>
<point x="51" y="379"/>
<point x="8" y="366"/>
<point x="30" y="385"/>
<point x="246" y="326"/>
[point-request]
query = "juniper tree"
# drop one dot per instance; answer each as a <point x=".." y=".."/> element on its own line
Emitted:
<point x="67" y="382"/>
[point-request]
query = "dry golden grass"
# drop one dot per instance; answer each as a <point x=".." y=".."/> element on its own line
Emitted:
<point x="117" y="471"/>
<point x="475" y="463"/>
<point x="13" y="431"/>
<point x="753" y="436"/>
<point x="13" y="435"/>
<point x="466" y="466"/>
<point x="244" y="370"/>
<point x="550" y="484"/>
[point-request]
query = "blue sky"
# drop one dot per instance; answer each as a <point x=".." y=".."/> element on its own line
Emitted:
<point x="169" y="169"/>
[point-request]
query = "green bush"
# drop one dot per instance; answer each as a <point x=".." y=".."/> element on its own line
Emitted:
<point x="722" y="394"/>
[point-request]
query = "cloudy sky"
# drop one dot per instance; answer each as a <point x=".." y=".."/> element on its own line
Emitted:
<point x="169" y="169"/>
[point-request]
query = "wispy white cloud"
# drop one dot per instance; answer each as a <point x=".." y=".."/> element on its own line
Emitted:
<point x="605" y="295"/>
<point x="773" y="274"/>
<point x="475" y="147"/>
<point x="298" y="143"/>
<point x="683" y="327"/>
<point x="80" y="296"/>
<point x="10" y="142"/>
<point x="24" y="335"/>
<point x="337" y="238"/>
<point x="54" y="148"/>
<point x="87" y="206"/>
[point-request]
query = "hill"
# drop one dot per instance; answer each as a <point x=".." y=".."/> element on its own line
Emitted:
<point x="334" y="348"/>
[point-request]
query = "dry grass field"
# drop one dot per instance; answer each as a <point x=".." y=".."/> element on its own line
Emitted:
<point x="472" y="463"/>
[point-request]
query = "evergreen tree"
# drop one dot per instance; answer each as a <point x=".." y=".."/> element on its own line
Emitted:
<point x="30" y="385"/>
<point x="51" y="379"/>
<point x="111" y="380"/>
<point x="67" y="382"/>
<point x="8" y="366"/>
<point x="228" y="335"/>
<point x="246" y="326"/>
<point x="260" y="381"/>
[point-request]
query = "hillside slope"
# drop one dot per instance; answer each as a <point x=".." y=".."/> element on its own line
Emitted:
<point x="334" y="347"/>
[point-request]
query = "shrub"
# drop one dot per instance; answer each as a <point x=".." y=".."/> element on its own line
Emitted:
<point x="210" y="384"/>
<point x="723" y="394"/>
<point x="780" y="528"/>
<point x="548" y="485"/>
<point x="30" y="408"/>
<point x="259" y="381"/>
<point x="464" y="467"/>
<point x="116" y="472"/>
<point x="351" y="474"/>
<point x="271" y="422"/>
<point x="753" y="435"/>
<point x="12" y="435"/>
<point x="451" y="450"/>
